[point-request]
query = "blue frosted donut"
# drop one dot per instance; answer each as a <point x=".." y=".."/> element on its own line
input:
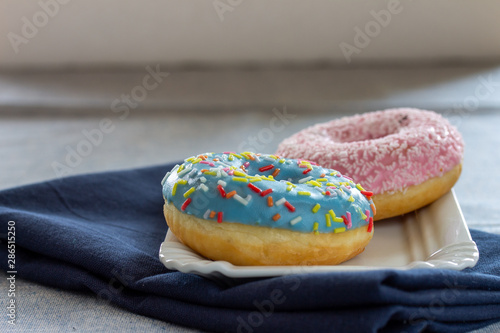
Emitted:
<point x="263" y="190"/>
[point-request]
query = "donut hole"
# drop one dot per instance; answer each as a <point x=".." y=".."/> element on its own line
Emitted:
<point x="363" y="130"/>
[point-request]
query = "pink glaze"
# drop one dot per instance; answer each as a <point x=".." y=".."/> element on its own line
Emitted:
<point x="384" y="151"/>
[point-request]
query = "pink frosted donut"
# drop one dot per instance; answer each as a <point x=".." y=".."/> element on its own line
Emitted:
<point x="406" y="157"/>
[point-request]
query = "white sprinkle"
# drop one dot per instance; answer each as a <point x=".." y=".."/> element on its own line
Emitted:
<point x="203" y="187"/>
<point x="333" y="193"/>
<point x="257" y="159"/>
<point x="224" y="164"/>
<point x="296" y="220"/>
<point x="319" y="189"/>
<point x="248" y="198"/>
<point x="346" y="189"/>
<point x="183" y="172"/>
<point x="165" y="178"/>
<point x="280" y="202"/>
<point x="203" y="179"/>
<point x="205" y="216"/>
<point x="268" y="159"/>
<point x="193" y="173"/>
<point x="224" y="173"/>
<point x="218" y="173"/>
<point x="221" y="182"/>
<point x="240" y="199"/>
<point x="303" y="180"/>
<point x="288" y="162"/>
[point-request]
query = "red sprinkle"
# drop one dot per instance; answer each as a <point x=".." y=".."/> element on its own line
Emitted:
<point x="267" y="167"/>
<point x="185" y="204"/>
<point x="370" y="225"/>
<point x="327" y="193"/>
<point x="306" y="171"/>
<point x="289" y="206"/>
<point x="266" y="192"/>
<point x="276" y="217"/>
<point x="367" y="193"/>
<point x="254" y="188"/>
<point x="219" y="217"/>
<point x="221" y="190"/>
<point x="345" y="220"/>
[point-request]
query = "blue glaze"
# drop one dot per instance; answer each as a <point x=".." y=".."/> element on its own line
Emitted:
<point x="257" y="212"/>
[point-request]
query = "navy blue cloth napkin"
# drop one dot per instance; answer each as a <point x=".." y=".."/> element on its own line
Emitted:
<point x="101" y="233"/>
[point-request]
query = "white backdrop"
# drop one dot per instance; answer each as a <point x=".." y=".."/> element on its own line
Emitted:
<point x="123" y="32"/>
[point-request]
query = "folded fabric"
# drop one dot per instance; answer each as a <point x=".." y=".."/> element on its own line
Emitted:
<point x="101" y="233"/>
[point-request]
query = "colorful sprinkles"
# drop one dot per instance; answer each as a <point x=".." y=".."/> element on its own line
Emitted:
<point x="294" y="194"/>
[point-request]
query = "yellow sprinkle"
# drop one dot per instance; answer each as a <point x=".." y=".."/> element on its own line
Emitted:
<point x="196" y="160"/>
<point x="321" y="180"/>
<point x="333" y="173"/>
<point x="328" y="221"/>
<point x="330" y="184"/>
<point x="289" y="188"/>
<point x="211" y="173"/>
<point x="235" y="155"/>
<point x="338" y="219"/>
<point x="188" y="192"/>
<point x="190" y="159"/>
<point x="312" y="182"/>
<point x="360" y="187"/>
<point x="174" y="189"/>
<point x="363" y="216"/>
<point x="253" y="180"/>
<point x="316" y="208"/>
<point x="239" y="173"/>
<point x="351" y="199"/>
<point x="332" y="213"/>
<point x="240" y="179"/>
<point x="180" y="168"/>
<point x="315" y="226"/>
<point x="339" y="230"/>
<point x="282" y="161"/>
<point x="304" y="193"/>
<point x="273" y="157"/>
<point x="230" y="158"/>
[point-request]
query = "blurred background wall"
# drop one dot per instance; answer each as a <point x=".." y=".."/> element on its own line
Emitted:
<point x="58" y="33"/>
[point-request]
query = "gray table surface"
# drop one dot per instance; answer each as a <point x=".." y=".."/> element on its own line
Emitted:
<point x="44" y="115"/>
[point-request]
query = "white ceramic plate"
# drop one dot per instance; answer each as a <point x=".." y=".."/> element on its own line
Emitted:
<point x="435" y="236"/>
